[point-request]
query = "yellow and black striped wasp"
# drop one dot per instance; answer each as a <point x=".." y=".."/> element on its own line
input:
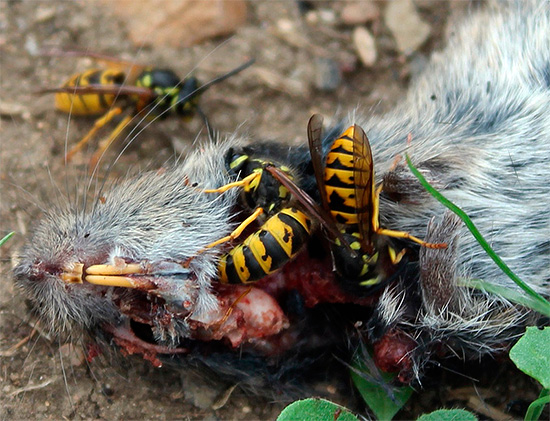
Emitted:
<point x="281" y="236"/>
<point x="361" y="253"/>
<point x="140" y="91"/>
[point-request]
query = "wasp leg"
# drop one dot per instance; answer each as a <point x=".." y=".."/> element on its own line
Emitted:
<point x="245" y="182"/>
<point x="98" y="124"/>
<point x="233" y="305"/>
<point x="376" y="208"/>
<point x="396" y="257"/>
<point x="237" y="231"/>
<point x="396" y="234"/>
<point x="403" y="234"/>
<point x="106" y="143"/>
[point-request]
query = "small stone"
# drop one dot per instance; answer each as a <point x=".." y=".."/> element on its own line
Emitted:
<point x="407" y="28"/>
<point x="288" y="31"/>
<point x="74" y="355"/>
<point x="31" y="45"/>
<point x="327" y="16"/>
<point x="285" y="25"/>
<point x="177" y="23"/>
<point x="365" y="45"/>
<point x="360" y="12"/>
<point x="44" y="14"/>
<point x="312" y="17"/>
<point x="417" y="65"/>
<point x="11" y="109"/>
<point x="328" y="75"/>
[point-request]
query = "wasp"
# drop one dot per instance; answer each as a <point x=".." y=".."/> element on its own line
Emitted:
<point x="124" y="87"/>
<point x="350" y="207"/>
<point x="284" y="233"/>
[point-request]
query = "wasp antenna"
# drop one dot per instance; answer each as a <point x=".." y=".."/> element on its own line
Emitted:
<point x="44" y="91"/>
<point x="224" y="76"/>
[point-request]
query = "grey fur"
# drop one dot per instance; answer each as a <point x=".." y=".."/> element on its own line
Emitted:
<point x="154" y="216"/>
<point x="480" y="127"/>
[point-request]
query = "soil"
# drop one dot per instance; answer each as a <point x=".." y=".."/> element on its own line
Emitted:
<point x="41" y="378"/>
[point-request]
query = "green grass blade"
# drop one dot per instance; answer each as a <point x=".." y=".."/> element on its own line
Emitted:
<point x="510" y="294"/>
<point x="535" y="409"/>
<point x="6" y="238"/>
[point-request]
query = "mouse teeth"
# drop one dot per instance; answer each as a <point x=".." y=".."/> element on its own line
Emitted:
<point x="73" y="274"/>
<point x="119" y="275"/>
<point x="119" y="281"/>
<point x="118" y="269"/>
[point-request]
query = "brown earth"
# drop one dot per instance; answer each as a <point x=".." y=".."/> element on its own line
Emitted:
<point x="272" y="100"/>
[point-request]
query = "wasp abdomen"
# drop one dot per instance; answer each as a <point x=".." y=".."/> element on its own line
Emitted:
<point x="93" y="103"/>
<point x="340" y="181"/>
<point x="268" y="249"/>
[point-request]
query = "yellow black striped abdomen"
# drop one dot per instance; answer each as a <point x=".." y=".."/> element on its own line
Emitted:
<point x="266" y="250"/>
<point x="93" y="103"/>
<point x="339" y="180"/>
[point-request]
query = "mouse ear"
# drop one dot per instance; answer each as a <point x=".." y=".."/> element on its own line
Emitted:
<point x="438" y="280"/>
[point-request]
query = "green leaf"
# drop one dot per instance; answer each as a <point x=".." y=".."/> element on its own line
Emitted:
<point x="448" y="415"/>
<point x="6" y="238"/>
<point x="544" y="305"/>
<point x="381" y="397"/>
<point x="531" y="354"/>
<point x="315" y="410"/>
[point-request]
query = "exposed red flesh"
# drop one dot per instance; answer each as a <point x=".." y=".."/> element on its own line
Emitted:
<point x="245" y="315"/>
<point x="392" y="354"/>
<point x="314" y="280"/>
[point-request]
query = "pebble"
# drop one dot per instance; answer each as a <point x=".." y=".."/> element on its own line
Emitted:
<point x="178" y="23"/>
<point x="418" y="65"/>
<point x="328" y="75"/>
<point x="200" y="394"/>
<point x="44" y="14"/>
<point x="407" y="28"/>
<point x="327" y="16"/>
<point x="10" y="109"/>
<point x="31" y="45"/>
<point x="359" y="12"/>
<point x="74" y="355"/>
<point x="289" y="32"/>
<point x="365" y="45"/>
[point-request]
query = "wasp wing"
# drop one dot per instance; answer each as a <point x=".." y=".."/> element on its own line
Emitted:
<point x="309" y="205"/>
<point x="142" y="92"/>
<point x="131" y="68"/>
<point x="363" y="176"/>
<point x="314" y="137"/>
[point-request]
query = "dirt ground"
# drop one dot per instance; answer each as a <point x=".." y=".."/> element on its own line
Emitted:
<point x="40" y="378"/>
